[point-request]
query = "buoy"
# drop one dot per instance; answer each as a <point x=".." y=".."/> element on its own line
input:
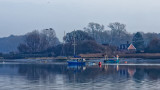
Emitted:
<point x="99" y="63"/>
<point x="125" y="62"/>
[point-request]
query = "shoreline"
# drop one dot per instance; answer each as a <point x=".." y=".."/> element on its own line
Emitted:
<point x="95" y="57"/>
<point x="141" y="55"/>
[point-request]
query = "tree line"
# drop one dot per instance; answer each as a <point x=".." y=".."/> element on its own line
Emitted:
<point x="39" y="41"/>
<point x="94" y="38"/>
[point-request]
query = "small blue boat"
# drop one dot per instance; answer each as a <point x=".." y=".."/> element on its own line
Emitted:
<point x="76" y="62"/>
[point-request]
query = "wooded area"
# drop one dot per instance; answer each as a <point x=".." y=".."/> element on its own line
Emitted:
<point x="94" y="38"/>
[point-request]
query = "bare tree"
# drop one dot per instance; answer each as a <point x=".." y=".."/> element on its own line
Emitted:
<point x="117" y="27"/>
<point x="95" y="30"/>
<point x="50" y="36"/>
<point x="44" y="43"/>
<point x="119" y="34"/>
<point x="34" y="42"/>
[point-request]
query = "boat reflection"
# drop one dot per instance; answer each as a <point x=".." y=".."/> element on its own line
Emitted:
<point x="76" y="68"/>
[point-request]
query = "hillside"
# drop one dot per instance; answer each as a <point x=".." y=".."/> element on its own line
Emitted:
<point x="9" y="44"/>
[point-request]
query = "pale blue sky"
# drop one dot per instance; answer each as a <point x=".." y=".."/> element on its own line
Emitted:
<point x="22" y="16"/>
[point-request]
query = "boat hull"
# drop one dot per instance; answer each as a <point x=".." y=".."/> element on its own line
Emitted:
<point x="76" y="63"/>
<point x="111" y="61"/>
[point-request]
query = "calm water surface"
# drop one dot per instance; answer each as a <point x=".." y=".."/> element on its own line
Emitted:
<point x="43" y="75"/>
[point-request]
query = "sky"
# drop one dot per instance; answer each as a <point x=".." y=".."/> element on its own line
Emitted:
<point x="21" y="16"/>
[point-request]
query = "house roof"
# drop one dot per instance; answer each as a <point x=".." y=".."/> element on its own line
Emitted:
<point x="131" y="47"/>
<point x="123" y="46"/>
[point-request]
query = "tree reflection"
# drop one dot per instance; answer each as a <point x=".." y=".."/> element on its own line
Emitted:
<point x="45" y="73"/>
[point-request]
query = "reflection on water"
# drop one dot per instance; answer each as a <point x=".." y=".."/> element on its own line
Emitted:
<point x="34" y="76"/>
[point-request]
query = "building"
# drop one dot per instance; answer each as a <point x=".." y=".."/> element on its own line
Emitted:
<point x="127" y="48"/>
<point x="131" y="48"/>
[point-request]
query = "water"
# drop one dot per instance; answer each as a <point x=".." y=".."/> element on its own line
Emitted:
<point x="49" y="75"/>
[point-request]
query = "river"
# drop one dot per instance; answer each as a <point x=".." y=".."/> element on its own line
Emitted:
<point x="55" y="75"/>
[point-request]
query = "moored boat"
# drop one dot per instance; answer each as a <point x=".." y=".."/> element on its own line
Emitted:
<point x="76" y="61"/>
<point x="112" y="60"/>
